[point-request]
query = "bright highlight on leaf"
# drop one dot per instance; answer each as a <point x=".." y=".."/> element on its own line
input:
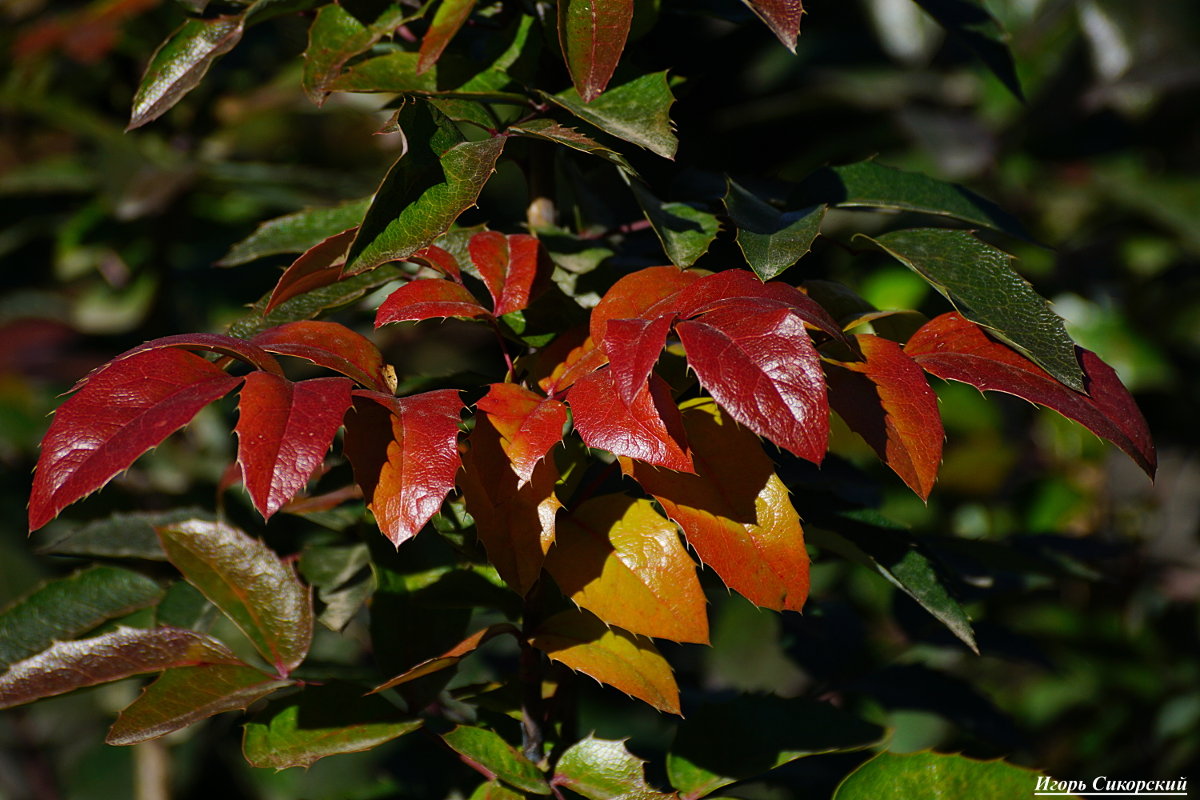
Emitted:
<point x="528" y="425"/>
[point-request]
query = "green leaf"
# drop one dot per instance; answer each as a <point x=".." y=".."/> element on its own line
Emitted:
<point x="296" y="233"/>
<point x="180" y="63"/>
<point x="334" y="38"/>
<point x="312" y="304"/>
<point x="592" y="34"/>
<point x="723" y="742"/>
<point x="551" y="131"/>
<point x="684" y="230"/>
<point x="438" y="178"/>
<point x="494" y="790"/>
<point x="447" y="21"/>
<point x="129" y="535"/>
<point x="391" y="72"/>
<point x="638" y="112"/>
<point x="495" y="756"/>
<point x="870" y="539"/>
<point x="186" y="695"/>
<point x="67" y="607"/>
<point x="869" y="184"/>
<point x="895" y="776"/>
<point x="971" y="23"/>
<point x="343" y="579"/>
<point x="979" y="281"/>
<point x="249" y="583"/>
<point x="771" y="240"/>
<point x="321" y="721"/>
<point x="603" y="769"/>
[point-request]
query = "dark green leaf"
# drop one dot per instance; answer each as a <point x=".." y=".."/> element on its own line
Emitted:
<point x="869" y="184"/>
<point x="129" y="535"/>
<point x="180" y="63"/>
<point x="638" y="112"/>
<point x="551" y="131"/>
<point x="391" y="72"/>
<point x="720" y="743"/>
<point x="684" y="230"/>
<point x="263" y="10"/>
<point x="979" y="281"/>
<point x="973" y="24"/>
<point x="296" y="233"/>
<point x="321" y="721"/>
<point x="488" y="750"/>
<point x="186" y="695"/>
<point x="184" y="607"/>
<point x="342" y="578"/>
<point x="335" y="37"/>
<point x="438" y="178"/>
<point x="896" y="776"/>
<point x="67" y="607"/>
<point x="772" y="240"/>
<point x="249" y="583"/>
<point x="312" y="304"/>
<point x="602" y="769"/>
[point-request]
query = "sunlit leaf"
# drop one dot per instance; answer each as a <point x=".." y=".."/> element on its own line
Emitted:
<point x="529" y="425"/>
<point x="644" y="294"/>
<point x="592" y="34"/>
<point x="335" y="37"/>
<point x="610" y="655"/>
<point x="684" y="230"/>
<point x="319" y="266"/>
<point x="735" y="511"/>
<point x="296" y="233"/>
<point x="637" y="111"/>
<point x="451" y="657"/>
<point x="313" y="302"/>
<point x="429" y="298"/>
<point x="580" y="361"/>
<point x="897" y="776"/>
<point x="620" y="559"/>
<point x="633" y="346"/>
<point x="330" y="345"/>
<point x="772" y="240"/>
<point x="450" y="16"/>
<point x="494" y="756"/>
<point x="782" y="17"/>
<point x="129" y="535"/>
<point x="742" y="288"/>
<point x="603" y="769"/>
<point x="648" y="429"/>
<point x="494" y="790"/>
<point x="515" y="268"/>
<point x="183" y="696"/>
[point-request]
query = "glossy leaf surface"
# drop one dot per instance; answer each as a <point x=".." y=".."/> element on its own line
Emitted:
<point x="603" y="769"/>
<point x="763" y="370"/>
<point x="330" y="345"/>
<point x="892" y="776"/>
<point x="66" y="607"/>
<point x="180" y="63"/>
<point x="390" y="72"/>
<point x="122" y="653"/>
<point x="592" y="34"/>
<point x="450" y="16"/>
<point x="648" y="429"/>
<point x="611" y="656"/>
<point x="122" y="411"/>
<point x="284" y="430"/>
<point x="319" y="266"/>
<point x="770" y="239"/>
<point x="782" y="17"/>
<point x="644" y="294"/>
<point x="978" y="279"/>
<point x="494" y="756"/>
<point x="582" y="360"/>
<point x="183" y="696"/>
<point x="955" y="349"/>
<point x="737" y="286"/>
<point x="637" y="111"/>
<point x="528" y="424"/>
<point x="429" y="298"/>
<point x="686" y="231"/>
<point x="887" y="400"/>
<point x="633" y="346"/>
<point x="335" y="37"/>
<point x="735" y="511"/>
<point x="620" y="559"/>
<point x="297" y="232"/>
<point x="404" y="454"/>
<point x="249" y="583"/>
<point x="515" y="268"/>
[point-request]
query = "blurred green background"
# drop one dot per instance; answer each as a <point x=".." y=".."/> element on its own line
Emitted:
<point x="1082" y="577"/>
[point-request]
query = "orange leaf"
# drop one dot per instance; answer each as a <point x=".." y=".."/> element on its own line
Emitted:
<point x="620" y="559"/>
<point x="610" y="655"/>
<point x="642" y="294"/>
<point x="529" y="425"/>
<point x="582" y="360"/>
<point x="735" y="511"/>
<point x="449" y="658"/>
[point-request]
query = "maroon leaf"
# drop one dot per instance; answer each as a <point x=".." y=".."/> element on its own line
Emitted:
<point x="439" y="259"/>
<point x="645" y="294"/>
<point x="528" y="425"/>
<point x="739" y="286"/>
<point x="449" y="18"/>
<point x="328" y="344"/>
<point x="404" y="453"/>
<point x="781" y="16"/>
<point x="762" y="368"/>
<point x="240" y="349"/>
<point x="633" y="346"/>
<point x="320" y="265"/>
<point x="284" y="430"/>
<point x="955" y="349"/>
<point x="592" y="34"/>
<point x="428" y="298"/>
<point x="515" y="268"/>
<point x="648" y="429"/>
<point x="121" y="411"/>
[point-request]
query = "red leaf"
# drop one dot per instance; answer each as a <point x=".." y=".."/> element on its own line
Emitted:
<point x="763" y="369"/>
<point x="515" y="268"/>
<point x="438" y="259"/>
<point x="328" y="344"/>
<point x="782" y="17"/>
<point x="582" y="360"/>
<point x="405" y="453"/>
<point x="642" y="294"/>
<point x="954" y="349"/>
<point x="887" y="401"/>
<point x="648" y="429"/>
<point x="738" y="286"/>
<point x="592" y="34"/>
<point x="120" y="412"/>
<point x="515" y="522"/>
<point x="428" y="298"/>
<point x="529" y="425"/>
<point x="450" y="17"/>
<point x="320" y="265"/>
<point x="633" y="347"/>
<point x="240" y="349"/>
<point x="284" y="430"/>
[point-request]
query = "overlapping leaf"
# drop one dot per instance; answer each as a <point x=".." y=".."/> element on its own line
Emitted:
<point x="735" y="511"/>
<point x="450" y="16"/>
<point x="335" y="37"/>
<point x="284" y="430"/>
<point x="620" y="559"/>
<point x="782" y="17"/>
<point x="686" y="231"/>
<point x="581" y="360"/>
<point x="953" y="348"/>
<point x="771" y="240"/>
<point x="551" y="131"/>
<point x="404" y="453"/>
<point x="644" y="294"/>
<point x="319" y="266"/>
<point x="592" y="34"/>
<point x="514" y="268"/>
<point x="390" y="72"/>
<point x="603" y="769"/>
<point x="428" y="298"/>
<point x="737" y="286"/>
<point x="296" y="233"/>
<point x="529" y="425"/>
<point x="514" y="520"/>
<point x="633" y="346"/>
<point x="637" y="111"/>
<point x="973" y="24"/>
<point x="122" y="653"/>
<point x="123" y="410"/>
<point x="494" y="756"/>
<point x="328" y="344"/>
<point x="647" y="429"/>
<point x="887" y="400"/>
<point x="610" y="655"/>
<point x="249" y="583"/>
